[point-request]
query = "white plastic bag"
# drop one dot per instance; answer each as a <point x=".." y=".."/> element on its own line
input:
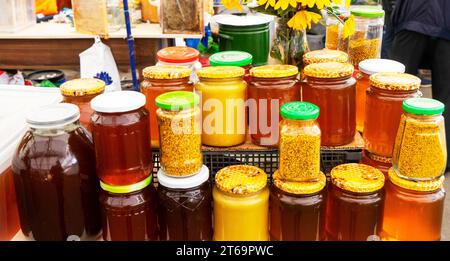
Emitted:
<point x="98" y="62"/>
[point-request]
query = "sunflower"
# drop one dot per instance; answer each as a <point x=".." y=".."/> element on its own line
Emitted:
<point x="302" y="19"/>
<point x="285" y="3"/>
<point x="322" y="3"/>
<point x="267" y="3"/>
<point x="232" y="4"/>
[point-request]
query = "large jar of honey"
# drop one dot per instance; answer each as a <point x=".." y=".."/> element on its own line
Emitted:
<point x="80" y="92"/>
<point x="331" y="87"/>
<point x="384" y="100"/>
<point x="355" y="203"/>
<point x="241" y="204"/>
<point x="54" y="175"/>
<point x="159" y="80"/>
<point x="297" y="209"/>
<point x="223" y="94"/>
<point x="413" y="210"/>
<point x="271" y="87"/>
<point x="121" y="136"/>
<point x="233" y="58"/>
<point x="185" y="207"/>
<point x="324" y="55"/>
<point x="129" y="212"/>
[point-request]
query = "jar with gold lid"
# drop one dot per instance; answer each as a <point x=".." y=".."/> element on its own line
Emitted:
<point x="324" y="55"/>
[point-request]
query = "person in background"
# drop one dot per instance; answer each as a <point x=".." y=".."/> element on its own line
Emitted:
<point x="388" y="34"/>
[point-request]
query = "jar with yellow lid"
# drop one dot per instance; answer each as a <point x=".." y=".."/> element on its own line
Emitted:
<point x="271" y="87"/>
<point x="297" y="209"/>
<point x="159" y="80"/>
<point x="413" y="210"/>
<point x="384" y="100"/>
<point x="223" y="94"/>
<point x="80" y="92"/>
<point x="241" y="204"/>
<point x="354" y="203"/>
<point x="324" y="55"/>
<point x="331" y="86"/>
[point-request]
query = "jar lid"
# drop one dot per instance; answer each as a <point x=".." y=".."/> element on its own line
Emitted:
<point x="218" y="72"/>
<point x="242" y="20"/>
<point x="300" y="187"/>
<point x="231" y="58"/>
<point x="183" y="182"/>
<point x="329" y="70"/>
<point x="82" y="86"/>
<point x="359" y="178"/>
<point x="119" y="101"/>
<point x="274" y="71"/>
<point x="127" y="188"/>
<point x="423" y="106"/>
<point x="241" y="179"/>
<point x="298" y="110"/>
<point x="372" y="66"/>
<point x="178" y="54"/>
<point x="429" y="185"/>
<point x="325" y="55"/>
<point x="395" y="81"/>
<point x="164" y="72"/>
<point x="368" y="12"/>
<point x="53" y="116"/>
<point x="177" y="100"/>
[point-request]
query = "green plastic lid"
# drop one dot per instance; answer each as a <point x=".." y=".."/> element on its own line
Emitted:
<point x="231" y="58"/>
<point x="300" y="111"/>
<point x="368" y="12"/>
<point x="178" y="100"/>
<point x="129" y="188"/>
<point x="423" y="106"/>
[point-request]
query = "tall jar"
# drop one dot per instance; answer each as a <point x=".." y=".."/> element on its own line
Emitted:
<point x="129" y="212"/>
<point x="420" y="151"/>
<point x="233" y="58"/>
<point x="223" y="93"/>
<point x="413" y="210"/>
<point x="180" y="139"/>
<point x="159" y="80"/>
<point x="355" y="203"/>
<point x="334" y="34"/>
<point x="271" y="87"/>
<point x="331" y="87"/>
<point x="121" y="136"/>
<point x="54" y="176"/>
<point x="185" y="207"/>
<point x="180" y="56"/>
<point x="297" y="209"/>
<point x="80" y="92"/>
<point x="384" y="100"/>
<point x="324" y="55"/>
<point x="366" y="69"/>
<point x="241" y="204"/>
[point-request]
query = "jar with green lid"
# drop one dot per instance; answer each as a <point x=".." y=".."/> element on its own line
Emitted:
<point x="297" y="209"/>
<point x="420" y="151"/>
<point x="233" y="58"/>
<point x="179" y="133"/>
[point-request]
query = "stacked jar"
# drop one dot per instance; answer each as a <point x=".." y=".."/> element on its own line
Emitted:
<point x="233" y="58"/>
<point x="180" y="56"/>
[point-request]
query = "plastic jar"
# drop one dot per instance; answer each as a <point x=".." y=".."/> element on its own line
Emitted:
<point x="332" y="88"/>
<point x="334" y="36"/>
<point x="181" y="56"/>
<point x="271" y="87"/>
<point x="233" y="58"/>
<point x="324" y="55"/>
<point x="420" y="151"/>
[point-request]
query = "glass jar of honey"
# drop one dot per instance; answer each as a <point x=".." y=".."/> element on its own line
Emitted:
<point x="241" y="204"/>
<point x="180" y="56"/>
<point x="420" y="151"/>
<point x="297" y="209"/>
<point x="324" y="55"/>
<point x="271" y="87"/>
<point x="54" y="175"/>
<point x="129" y="212"/>
<point x="223" y="94"/>
<point x="185" y="207"/>
<point x="381" y="163"/>
<point x="180" y="140"/>
<point x="413" y="210"/>
<point x="121" y="136"/>
<point x="159" y="80"/>
<point x="233" y="58"/>
<point x="80" y="92"/>
<point x="332" y="88"/>
<point x="384" y="100"/>
<point x="354" y="203"/>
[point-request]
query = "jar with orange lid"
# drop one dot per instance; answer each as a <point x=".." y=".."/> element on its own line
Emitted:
<point x="354" y="203"/>
<point x="181" y="56"/>
<point x="80" y="92"/>
<point x="324" y="55"/>
<point x="297" y="209"/>
<point x="271" y="87"/>
<point x="384" y="100"/>
<point x="413" y="210"/>
<point x="223" y="95"/>
<point x="331" y="86"/>
<point x="241" y="204"/>
<point x="159" y="80"/>
<point x="381" y="163"/>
